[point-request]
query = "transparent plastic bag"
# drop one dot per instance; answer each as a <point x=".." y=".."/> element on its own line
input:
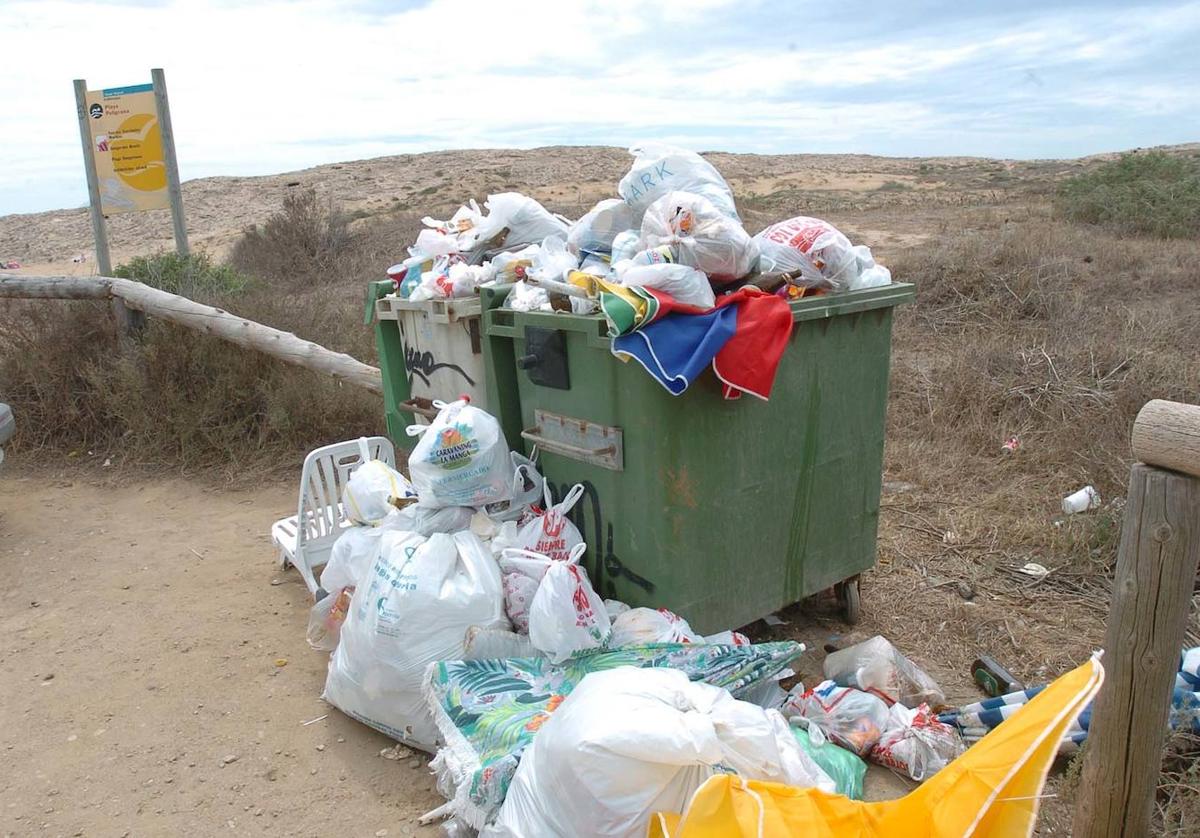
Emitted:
<point x="851" y="718"/>
<point x="659" y="168"/>
<point x="553" y="261"/>
<point x="625" y="245"/>
<point x="639" y="626"/>
<point x="700" y="235"/>
<point x="876" y="666"/>
<point x="528" y="490"/>
<point x="325" y="619"/>
<point x="845" y="769"/>
<point x="816" y="254"/>
<point x="915" y="743"/>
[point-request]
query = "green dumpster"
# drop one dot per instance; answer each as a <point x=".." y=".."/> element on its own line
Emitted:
<point x="722" y="511"/>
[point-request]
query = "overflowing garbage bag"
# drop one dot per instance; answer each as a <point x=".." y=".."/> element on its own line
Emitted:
<point x="659" y="168"/>
<point x="876" y="666"/>
<point x="413" y="609"/>
<point x="814" y="253"/>
<point x="518" y="219"/>
<point x="700" y="235"/>
<point x="462" y="458"/>
<point x="629" y="742"/>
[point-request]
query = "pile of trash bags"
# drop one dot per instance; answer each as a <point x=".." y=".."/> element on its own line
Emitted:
<point x="460" y="620"/>
<point x="674" y="227"/>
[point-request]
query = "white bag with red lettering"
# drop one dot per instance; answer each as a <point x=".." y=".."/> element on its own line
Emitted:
<point x="551" y="534"/>
<point x="521" y="574"/>
<point x="567" y="615"/>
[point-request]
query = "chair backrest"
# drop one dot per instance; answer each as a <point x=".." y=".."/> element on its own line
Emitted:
<point x="326" y="471"/>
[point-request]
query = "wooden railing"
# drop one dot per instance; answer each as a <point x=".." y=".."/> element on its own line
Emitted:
<point x="129" y="295"/>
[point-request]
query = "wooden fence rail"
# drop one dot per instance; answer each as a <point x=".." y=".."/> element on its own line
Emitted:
<point x="213" y="321"/>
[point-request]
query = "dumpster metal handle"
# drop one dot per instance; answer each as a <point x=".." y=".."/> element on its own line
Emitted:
<point x="562" y="435"/>
<point x="420" y="407"/>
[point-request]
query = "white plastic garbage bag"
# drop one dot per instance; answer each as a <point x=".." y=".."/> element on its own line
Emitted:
<point x="527" y="490"/>
<point x="414" y="608"/>
<point x="426" y="521"/>
<point x="915" y="743"/>
<point x="594" y="233"/>
<point x="354" y="554"/>
<point x="526" y="297"/>
<point x="852" y="718"/>
<point x="876" y="666"/>
<point x="686" y="284"/>
<point x="630" y="742"/>
<point x="567" y="615"/>
<point x="374" y="490"/>
<point x="818" y="255"/>
<point x="461" y="459"/>
<point x="638" y="626"/>
<point x="625" y="245"/>
<point x="489" y="644"/>
<point x="552" y="533"/>
<point x="527" y="221"/>
<point x="659" y="168"/>
<point x="553" y="260"/>
<point x="700" y="235"/>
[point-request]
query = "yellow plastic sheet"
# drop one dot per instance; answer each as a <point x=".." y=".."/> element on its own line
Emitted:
<point x="991" y="790"/>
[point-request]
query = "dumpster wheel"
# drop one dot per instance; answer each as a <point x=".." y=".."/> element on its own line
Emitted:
<point x="849" y="598"/>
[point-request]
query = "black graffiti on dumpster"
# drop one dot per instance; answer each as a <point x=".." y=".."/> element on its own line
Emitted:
<point x="602" y="564"/>
<point x="425" y="365"/>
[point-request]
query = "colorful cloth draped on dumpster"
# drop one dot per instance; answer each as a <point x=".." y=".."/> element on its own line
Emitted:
<point x="488" y="711"/>
<point x="991" y="791"/>
<point x="743" y="337"/>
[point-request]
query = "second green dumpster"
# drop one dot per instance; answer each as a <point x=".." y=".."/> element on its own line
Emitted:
<point x="722" y="511"/>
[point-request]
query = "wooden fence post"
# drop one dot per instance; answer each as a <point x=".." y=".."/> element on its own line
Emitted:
<point x="1152" y="593"/>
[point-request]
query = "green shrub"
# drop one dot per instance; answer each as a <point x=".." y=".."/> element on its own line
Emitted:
<point x="189" y="276"/>
<point x="1144" y="192"/>
<point x="306" y="243"/>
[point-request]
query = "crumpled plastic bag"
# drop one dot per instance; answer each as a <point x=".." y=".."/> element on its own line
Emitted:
<point x="525" y="297"/>
<point x="686" y="284"/>
<point x="850" y="718"/>
<point x="553" y="260"/>
<point x="639" y="626"/>
<point x="528" y="222"/>
<point x="659" y="168"/>
<point x="325" y="619"/>
<point x="915" y="743"/>
<point x="818" y="255"/>
<point x="374" y="490"/>
<point x="528" y="490"/>
<point x="700" y="235"/>
<point x="594" y="233"/>
<point x="876" y="666"/>
<point x="521" y="573"/>
<point x="629" y="742"/>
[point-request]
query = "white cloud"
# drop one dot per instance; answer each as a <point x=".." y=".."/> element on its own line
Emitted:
<point x="273" y="86"/>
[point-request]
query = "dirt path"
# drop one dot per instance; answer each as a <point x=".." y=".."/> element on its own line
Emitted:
<point x="131" y="669"/>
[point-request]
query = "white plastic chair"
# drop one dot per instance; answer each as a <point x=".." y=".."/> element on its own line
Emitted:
<point x="325" y="473"/>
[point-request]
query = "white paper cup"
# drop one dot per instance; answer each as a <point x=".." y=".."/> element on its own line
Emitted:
<point x="1081" y="501"/>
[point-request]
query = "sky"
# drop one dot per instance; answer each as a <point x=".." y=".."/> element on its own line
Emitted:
<point x="265" y="87"/>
